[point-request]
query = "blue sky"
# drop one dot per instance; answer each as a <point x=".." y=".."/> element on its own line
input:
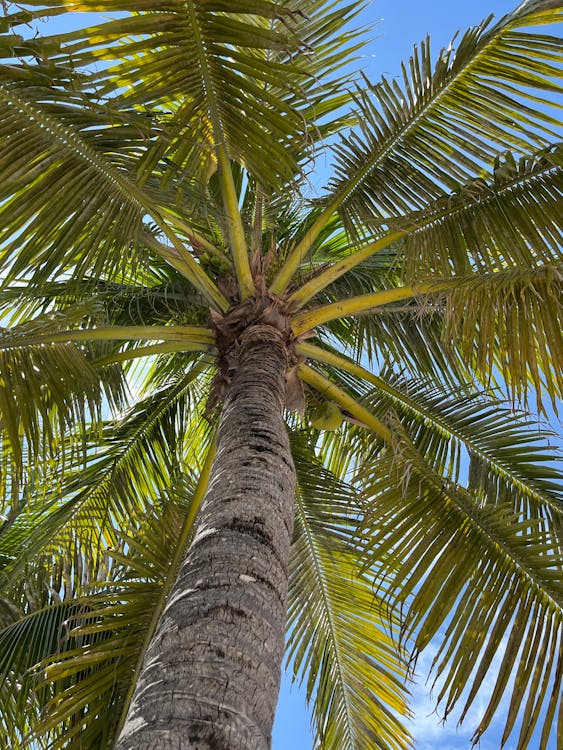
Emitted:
<point x="398" y="25"/>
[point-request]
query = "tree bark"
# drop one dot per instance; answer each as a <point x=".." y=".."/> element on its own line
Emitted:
<point x="211" y="675"/>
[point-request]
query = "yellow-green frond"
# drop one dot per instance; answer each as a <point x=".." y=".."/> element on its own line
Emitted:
<point x="341" y="637"/>
<point x="490" y="576"/>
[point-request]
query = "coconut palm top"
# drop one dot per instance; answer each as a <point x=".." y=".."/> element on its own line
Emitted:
<point x="156" y="203"/>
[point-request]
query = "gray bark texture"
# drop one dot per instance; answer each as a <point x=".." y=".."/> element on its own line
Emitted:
<point x="211" y="675"/>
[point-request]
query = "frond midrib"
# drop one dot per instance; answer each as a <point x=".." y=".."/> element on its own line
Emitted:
<point x="519" y="181"/>
<point x="237" y="238"/>
<point x="128" y="191"/>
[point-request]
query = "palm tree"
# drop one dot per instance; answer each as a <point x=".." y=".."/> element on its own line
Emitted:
<point x="231" y="410"/>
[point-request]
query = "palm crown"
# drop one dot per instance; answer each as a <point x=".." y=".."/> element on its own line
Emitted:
<point x="154" y="167"/>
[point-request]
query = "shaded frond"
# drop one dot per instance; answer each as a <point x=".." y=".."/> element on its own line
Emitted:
<point x="23" y="645"/>
<point x="159" y="297"/>
<point x="510" y="218"/>
<point x="75" y="661"/>
<point x="49" y="390"/>
<point x="52" y="142"/>
<point x="122" y="475"/>
<point x="474" y="437"/>
<point x="511" y="321"/>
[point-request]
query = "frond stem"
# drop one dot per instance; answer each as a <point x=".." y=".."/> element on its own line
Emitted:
<point x="179" y="334"/>
<point x="309" y="319"/>
<point x="337" y="360"/>
<point x="237" y="238"/>
<point x="151" y="351"/>
<point x="70" y="140"/>
<point x="302" y="249"/>
<point x="313" y="287"/>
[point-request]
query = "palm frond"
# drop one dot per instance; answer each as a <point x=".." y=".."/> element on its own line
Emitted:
<point x="181" y="335"/>
<point x="340" y="635"/>
<point x="419" y="142"/>
<point x="510" y="218"/>
<point x="47" y="390"/>
<point x="406" y="336"/>
<point x="23" y="645"/>
<point x="156" y="559"/>
<point x="50" y="144"/>
<point x="429" y="136"/>
<point x="307" y="320"/>
<point x="238" y="75"/>
<point x="488" y="321"/>
<point x="509" y="456"/>
<point x="117" y="481"/>
<point x="490" y="577"/>
<point x="74" y="662"/>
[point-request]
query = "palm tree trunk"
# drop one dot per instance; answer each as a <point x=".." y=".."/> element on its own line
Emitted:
<point x="211" y="675"/>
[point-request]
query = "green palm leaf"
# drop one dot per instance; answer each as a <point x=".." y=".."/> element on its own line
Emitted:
<point x="122" y="476"/>
<point x="430" y="136"/>
<point x="510" y="458"/>
<point x="75" y="661"/>
<point x="486" y="574"/>
<point x="45" y="149"/>
<point x="485" y="323"/>
<point x="47" y="388"/>
<point x="510" y="218"/>
<point x="340" y="636"/>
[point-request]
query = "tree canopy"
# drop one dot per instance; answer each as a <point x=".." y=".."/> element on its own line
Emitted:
<point x="155" y="201"/>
